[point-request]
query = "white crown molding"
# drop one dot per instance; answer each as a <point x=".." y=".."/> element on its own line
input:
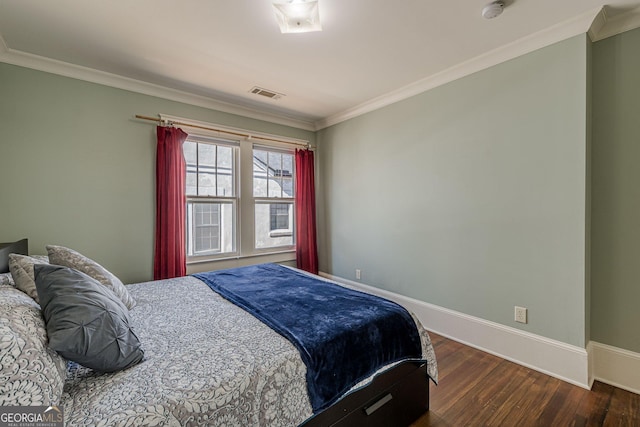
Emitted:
<point x="562" y="31"/>
<point x="605" y="26"/>
<point x="557" y="359"/>
<point x="36" y="62"/>
<point x="595" y="22"/>
<point x="598" y="24"/>
<point x="614" y="366"/>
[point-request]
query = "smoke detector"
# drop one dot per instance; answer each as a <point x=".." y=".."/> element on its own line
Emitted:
<point x="493" y="9"/>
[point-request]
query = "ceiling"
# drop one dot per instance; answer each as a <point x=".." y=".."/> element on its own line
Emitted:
<point x="370" y="52"/>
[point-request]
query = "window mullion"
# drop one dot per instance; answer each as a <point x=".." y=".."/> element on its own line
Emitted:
<point x="198" y="169"/>
<point x="281" y="175"/>
<point x="215" y="163"/>
<point x="267" y="173"/>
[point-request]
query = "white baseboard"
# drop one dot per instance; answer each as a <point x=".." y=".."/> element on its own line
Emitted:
<point x="560" y="360"/>
<point x="615" y="366"/>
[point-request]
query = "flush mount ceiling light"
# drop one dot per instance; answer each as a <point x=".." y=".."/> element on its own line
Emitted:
<point x="493" y="9"/>
<point x="298" y="16"/>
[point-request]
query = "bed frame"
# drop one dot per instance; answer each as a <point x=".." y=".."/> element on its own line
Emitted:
<point x="397" y="397"/>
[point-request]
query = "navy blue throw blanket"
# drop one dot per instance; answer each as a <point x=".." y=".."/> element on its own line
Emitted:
<point x="343" y="335"/>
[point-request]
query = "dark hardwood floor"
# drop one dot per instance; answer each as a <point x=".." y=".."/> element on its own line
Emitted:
<point x="479" y="389"/>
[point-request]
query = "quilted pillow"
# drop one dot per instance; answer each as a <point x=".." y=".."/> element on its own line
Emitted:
<point x="31" y="373"/>
<point x="66" y="257"/>
<point x="21" y="267"/>
<point x="85" y="321"/>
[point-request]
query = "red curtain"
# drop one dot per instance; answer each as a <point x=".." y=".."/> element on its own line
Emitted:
<point x="170" y="259"/>
<point x="306" y="250"/>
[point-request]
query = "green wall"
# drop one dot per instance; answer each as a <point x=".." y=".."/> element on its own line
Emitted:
<point x="471" y="196"/>
<point x="615" y="262"/>
<point x="78" y="170"/>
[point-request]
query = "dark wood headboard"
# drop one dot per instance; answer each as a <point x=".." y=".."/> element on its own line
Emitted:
<point x="19" y="247"/>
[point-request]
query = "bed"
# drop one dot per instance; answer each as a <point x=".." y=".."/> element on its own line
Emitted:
<point x="209" y="362"/>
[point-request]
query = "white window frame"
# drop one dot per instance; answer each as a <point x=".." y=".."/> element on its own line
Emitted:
<point x="233" y="200"/>
<point x="277" y="200"/>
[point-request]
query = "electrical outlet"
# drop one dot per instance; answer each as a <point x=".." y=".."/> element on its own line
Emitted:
<point x="357" y="273"/>
<point x="520" y="314"/>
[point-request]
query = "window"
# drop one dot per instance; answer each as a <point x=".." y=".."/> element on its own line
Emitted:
<point x="240" y="196"/>
<point x="273" y="193"/>
<point x="211" y="196"/>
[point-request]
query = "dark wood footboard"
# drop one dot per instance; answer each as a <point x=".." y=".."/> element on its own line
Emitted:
<point x="397" y="397"/>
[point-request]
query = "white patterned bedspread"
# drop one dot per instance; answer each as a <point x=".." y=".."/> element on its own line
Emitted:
<point x="207" y="362"/>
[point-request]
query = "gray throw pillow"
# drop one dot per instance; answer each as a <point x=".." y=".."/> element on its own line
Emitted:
<point x="86" y="322"/>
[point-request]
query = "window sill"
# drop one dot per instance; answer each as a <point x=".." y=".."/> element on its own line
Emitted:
<point x="197" y="266"/>
<point x="280" y="233"/>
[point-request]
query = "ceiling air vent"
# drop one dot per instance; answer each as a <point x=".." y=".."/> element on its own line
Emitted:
<point x="266" y="92"/>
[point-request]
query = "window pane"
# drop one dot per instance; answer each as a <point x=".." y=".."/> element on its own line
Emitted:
<point x="225" y="157"/>
<point x="287" y="186"/>
<point x="192" y="188"/>
<point x="210" y="228"/>
<point x="287" y="175"/>
<point x="207" y="155"/>
<point x="189" y="148"/>
<point x="272" y="174"/>
<point x="206" y="183"/>
<point x="260" y="167"/>
<point x="210" y="169"/>
<point x="275" y="174"/>
<point x="287" y="164"/>
<point x="225" y="167"/>
<point x="227" y="232"/>
<point x="275" y="161"/>
<point x="268" y="215"/>
<point x="206" y="169"/>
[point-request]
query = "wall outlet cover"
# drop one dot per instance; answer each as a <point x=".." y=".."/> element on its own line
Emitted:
<point x="520" y="314"/>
